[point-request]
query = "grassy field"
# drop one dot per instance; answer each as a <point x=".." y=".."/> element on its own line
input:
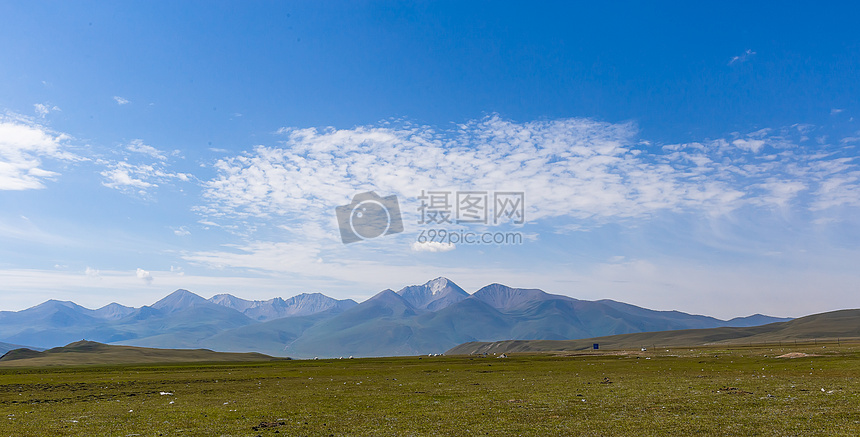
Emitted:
<point x="704" y="391"/>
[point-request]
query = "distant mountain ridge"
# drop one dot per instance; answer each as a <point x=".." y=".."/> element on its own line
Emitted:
<point x="179" y="300"/>
<point x="304" y="304"/>
<point x="181" y="319"/>
<point x="501" y="297"/>
<point x="432" y="317"/>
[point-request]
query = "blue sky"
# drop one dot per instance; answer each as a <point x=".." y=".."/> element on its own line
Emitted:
<point x="675" y="156"/>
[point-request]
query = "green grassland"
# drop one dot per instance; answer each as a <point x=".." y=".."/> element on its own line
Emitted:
<point x="704" y="391"/>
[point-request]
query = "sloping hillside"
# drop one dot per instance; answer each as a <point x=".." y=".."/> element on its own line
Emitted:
<point x="92" y="353"/>
<point x="830" y="325"/>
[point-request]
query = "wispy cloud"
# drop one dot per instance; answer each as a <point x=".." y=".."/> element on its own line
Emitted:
<point x="135" y="177"/>
<point x="137" y="146"/>
<point x="122" y="176"/>
<point x="43" y="109"/>
<point x="91" y="272"/>
<point x="181" y="231"/>
<point x="581" y="169"/>
<point x="23" y="146"/>
<point x="742" y="58"/>
<point x="578" y="175"/>
<point x="120" y="101"/>
<point x="261" y="256"/>
<point x="750" y="145"/>
<point x="432" y="246"/>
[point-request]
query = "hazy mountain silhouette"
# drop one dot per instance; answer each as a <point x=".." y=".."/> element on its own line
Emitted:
<point x="304" y="304"/>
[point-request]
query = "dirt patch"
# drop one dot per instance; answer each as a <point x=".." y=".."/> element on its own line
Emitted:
<point x="797" y="355"/>
<point x="733" y="391"/>
<point x="264" y="425"/>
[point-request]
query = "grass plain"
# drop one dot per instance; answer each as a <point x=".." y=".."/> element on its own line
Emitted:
<point x="682" y="391"/>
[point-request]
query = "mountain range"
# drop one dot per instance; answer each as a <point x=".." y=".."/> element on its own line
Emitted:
<point x="418" y="319"/>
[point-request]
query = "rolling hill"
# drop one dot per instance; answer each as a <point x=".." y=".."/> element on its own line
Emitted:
<point x="836" y="324"/>
<point x="90" y="352"/>
<point x="6" y="347"/>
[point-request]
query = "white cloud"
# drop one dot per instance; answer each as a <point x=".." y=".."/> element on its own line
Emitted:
<point x="851" y="139"/>
<point x="138" y="146"/>
<point x="780" y="193"/>
<point x="138" y="178"/>
<point x="835" y="111"/>
<point x="23" y="145"/>
<point x="837" y="191"/>
<point x="576" y="174"/>
<point x="753" y="146"/>
<point x="43" y="109"/>
<point x="432" y="246"/>
<point x="580" y="169"/>
<point x="120" y="176"/>
<point x="144" y="275"/>
<point x="181" y="231"/>
<point x="121" y="101"/>
<point x="573" y="166"/>
<point x="91" y="272"/>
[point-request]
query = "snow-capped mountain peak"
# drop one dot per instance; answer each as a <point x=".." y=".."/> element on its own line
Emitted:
<point x="433" y="295"/>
